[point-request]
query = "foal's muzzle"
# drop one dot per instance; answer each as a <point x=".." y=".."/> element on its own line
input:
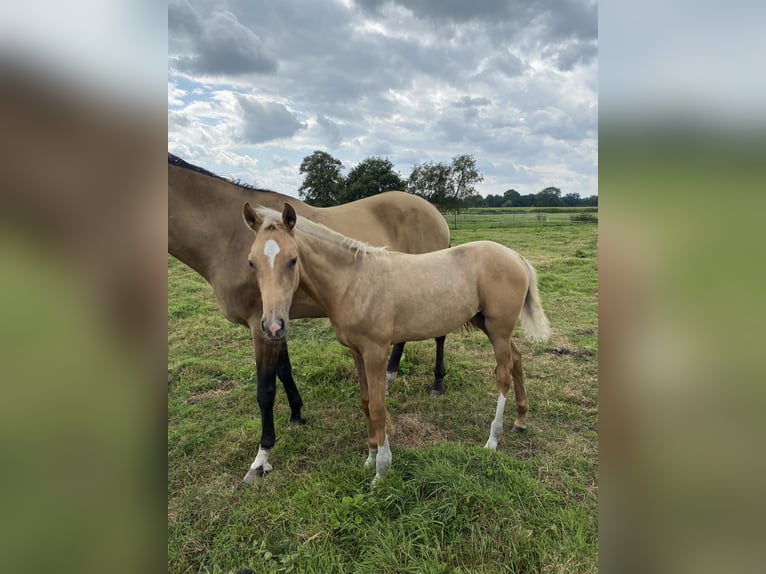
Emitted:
<point x="274" y="329"/>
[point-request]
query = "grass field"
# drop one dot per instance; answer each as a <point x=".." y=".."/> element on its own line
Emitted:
<point x="446" y="505"/>
<point x="504" y="217"/>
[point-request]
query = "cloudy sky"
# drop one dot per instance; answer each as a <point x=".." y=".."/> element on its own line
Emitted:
<point x="255" y="86"/>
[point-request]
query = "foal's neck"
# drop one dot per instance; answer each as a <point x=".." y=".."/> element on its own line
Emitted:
<point x="329" y="270"/>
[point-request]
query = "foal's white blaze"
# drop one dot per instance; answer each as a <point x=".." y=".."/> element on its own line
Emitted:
<point x="270" y="250"/>
<point x="261" y="461"/>
<point x="496" y="430"/>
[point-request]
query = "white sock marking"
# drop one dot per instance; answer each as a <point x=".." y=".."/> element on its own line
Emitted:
<point x="496" y="430"/>
<point x="383" y="461"/>
<point x="373" y="452"/>
<point x="270" y="250"/>
<point x="261" y="460"/>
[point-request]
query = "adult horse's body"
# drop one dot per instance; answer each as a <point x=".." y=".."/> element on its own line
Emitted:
<point x="374" y="297"/>
<point x="205" y="232"/>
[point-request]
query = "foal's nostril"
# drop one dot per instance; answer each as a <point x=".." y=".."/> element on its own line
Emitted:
<point x="275" y="329"/>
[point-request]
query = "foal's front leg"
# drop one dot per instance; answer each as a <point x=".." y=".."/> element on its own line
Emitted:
<point x="374" y="360"/>
<point x="365" y="396"/>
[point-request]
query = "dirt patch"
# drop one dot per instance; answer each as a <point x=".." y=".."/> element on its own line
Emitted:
<point x="409" y="430"/>
<point x="574" y="352"/>
<point x="575" y="396"/>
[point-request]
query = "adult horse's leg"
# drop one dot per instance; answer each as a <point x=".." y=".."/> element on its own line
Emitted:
<point x="285" y="374"/>
<point x="266" y="361"/>
<point x="437" y="389"/>
<point x="393" y="364"/>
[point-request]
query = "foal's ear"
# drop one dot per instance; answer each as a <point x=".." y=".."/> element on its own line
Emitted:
<point x="288" y="216"/>
<point x="252" y="218"/>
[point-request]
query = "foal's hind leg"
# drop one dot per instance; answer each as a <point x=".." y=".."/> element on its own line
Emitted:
<point x="503" y="382"/>
<point x="520" y="424"/>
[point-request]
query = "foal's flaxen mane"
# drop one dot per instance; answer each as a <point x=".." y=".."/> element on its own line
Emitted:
<point x="319" y="231"/>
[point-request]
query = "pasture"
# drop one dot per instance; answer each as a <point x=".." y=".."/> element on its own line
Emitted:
<point x="446" y="505"/>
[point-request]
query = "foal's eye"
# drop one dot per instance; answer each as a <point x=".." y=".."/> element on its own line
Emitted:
<point x="250" y="263"/>
<point x="292" y="262"/>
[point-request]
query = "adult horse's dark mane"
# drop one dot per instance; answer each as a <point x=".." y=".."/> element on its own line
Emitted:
<point x="177" y="161"/>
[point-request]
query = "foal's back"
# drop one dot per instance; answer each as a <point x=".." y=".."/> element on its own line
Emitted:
<point x="433" y="294"/>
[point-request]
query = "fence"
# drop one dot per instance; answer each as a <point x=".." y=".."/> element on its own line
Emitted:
<point x="496" y="218"/>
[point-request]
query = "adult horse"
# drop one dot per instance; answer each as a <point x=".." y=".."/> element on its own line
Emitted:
<point x="374" y="297"/>
<point x="205" y="232"/>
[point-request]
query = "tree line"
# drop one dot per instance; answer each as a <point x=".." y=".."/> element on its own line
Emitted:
<point x="548" y="197"/>
<point x="448" y="186"/>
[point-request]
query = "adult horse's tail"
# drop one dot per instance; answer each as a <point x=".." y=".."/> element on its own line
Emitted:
<point x="533" y="319"/>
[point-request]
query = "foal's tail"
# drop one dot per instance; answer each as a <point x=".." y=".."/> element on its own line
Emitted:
<point x="533" y="319"/>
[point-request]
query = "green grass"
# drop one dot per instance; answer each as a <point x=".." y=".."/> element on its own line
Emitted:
<point x="447" y="505"/>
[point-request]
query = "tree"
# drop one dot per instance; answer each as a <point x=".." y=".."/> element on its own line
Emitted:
<point x="549" y="197"/>
<point x="493" y="200"/>
<point x="464" y="177"/>
<point x="572" y="200"/>
<point x="527" y="200"/>
<point x="430" y="181"/>
<point x="372" y="176"/>
<point x="446" y="186"/>
<point x="511" y="197"/>
<point x="323" y="182"/>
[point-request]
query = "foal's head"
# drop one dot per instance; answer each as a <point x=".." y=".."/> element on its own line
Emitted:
<point x="274" y="258"/>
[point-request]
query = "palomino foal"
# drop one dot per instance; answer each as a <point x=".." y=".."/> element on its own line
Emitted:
<point x="205" y="232"/>
<point x="374" y="298"/>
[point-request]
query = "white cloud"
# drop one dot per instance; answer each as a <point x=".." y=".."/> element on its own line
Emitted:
<point x="175" y="95"/>
<point x="512" y="83"/>
<point x="264" y="121"/>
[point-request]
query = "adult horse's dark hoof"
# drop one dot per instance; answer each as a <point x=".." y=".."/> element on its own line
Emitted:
<point x="297" y="419"/>
<point x="255" y="473"/>
<point x="260" y="472"/>
<point x="437" y="392"/>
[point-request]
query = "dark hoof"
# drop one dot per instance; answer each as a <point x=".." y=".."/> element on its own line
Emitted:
<point x="297" y="419"/>
<point x="518" y="429"/>
<point x="260" y="472"/>
<point x="253" y="475"/>
<point x="437" y="392"/>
